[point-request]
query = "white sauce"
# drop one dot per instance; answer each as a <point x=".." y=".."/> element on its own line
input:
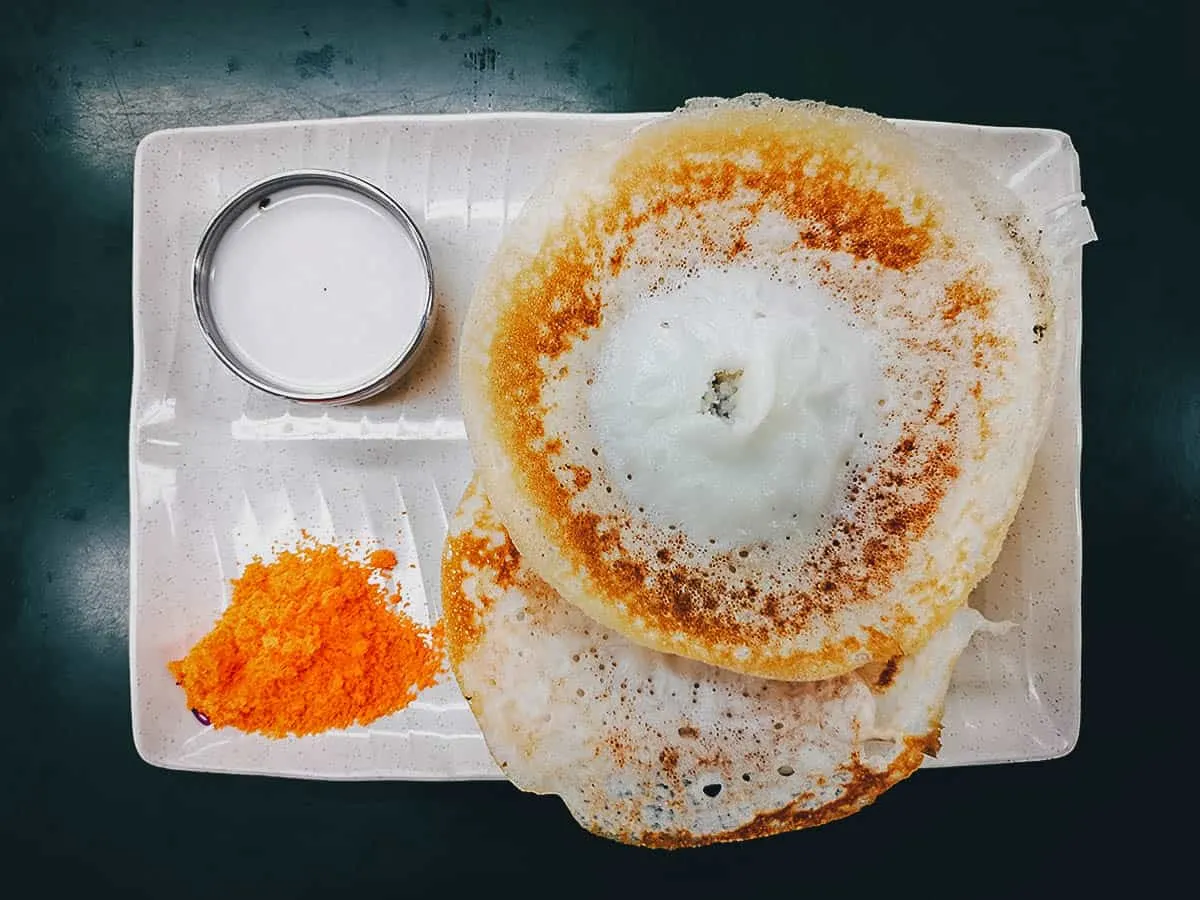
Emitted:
<point x="321" y="291"/>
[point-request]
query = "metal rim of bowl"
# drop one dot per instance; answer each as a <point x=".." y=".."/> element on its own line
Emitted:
<point x="249" y="197"/>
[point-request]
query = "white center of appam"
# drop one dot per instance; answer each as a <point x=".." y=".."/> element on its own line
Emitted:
<point x="733" y="406"/>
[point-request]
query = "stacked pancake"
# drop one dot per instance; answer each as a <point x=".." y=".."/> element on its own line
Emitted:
<point x="753" y="396"/>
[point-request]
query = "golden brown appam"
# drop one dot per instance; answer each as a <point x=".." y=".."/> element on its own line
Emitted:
<point x="761" y="385"/>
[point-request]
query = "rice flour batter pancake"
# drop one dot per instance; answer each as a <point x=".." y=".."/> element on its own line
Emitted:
<point x="761" y="385"/>
<point x="653" y="749"/>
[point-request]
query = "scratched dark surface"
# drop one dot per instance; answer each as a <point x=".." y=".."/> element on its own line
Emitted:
<point x="80" y="83"/>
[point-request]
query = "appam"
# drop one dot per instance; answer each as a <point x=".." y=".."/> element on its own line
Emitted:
<point x="761" y="384"/>
<point x="653" y="749"/>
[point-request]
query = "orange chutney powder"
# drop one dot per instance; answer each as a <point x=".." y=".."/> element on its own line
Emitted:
<point x="382" y="559"/>
<point x="309" y="643"/>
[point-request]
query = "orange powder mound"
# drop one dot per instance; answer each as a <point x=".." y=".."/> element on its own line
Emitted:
<point x="309" y="643"/>
<point x="382" y="559"/>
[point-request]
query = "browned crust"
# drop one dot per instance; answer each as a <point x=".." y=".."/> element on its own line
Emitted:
<point x="864" y="787"/>
<point x="888" y="674"/>
<point x="466" y="554"/>
<point x="967" y="295"/>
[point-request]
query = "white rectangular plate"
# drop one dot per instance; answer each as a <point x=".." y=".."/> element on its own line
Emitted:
<point x="220" y="472"/>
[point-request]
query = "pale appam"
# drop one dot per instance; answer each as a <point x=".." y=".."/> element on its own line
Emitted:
<point x="653" y="749"/>
<point x="761" y="385"/>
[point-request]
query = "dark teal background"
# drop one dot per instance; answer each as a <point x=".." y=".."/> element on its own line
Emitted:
<point x="81" y="82"/>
